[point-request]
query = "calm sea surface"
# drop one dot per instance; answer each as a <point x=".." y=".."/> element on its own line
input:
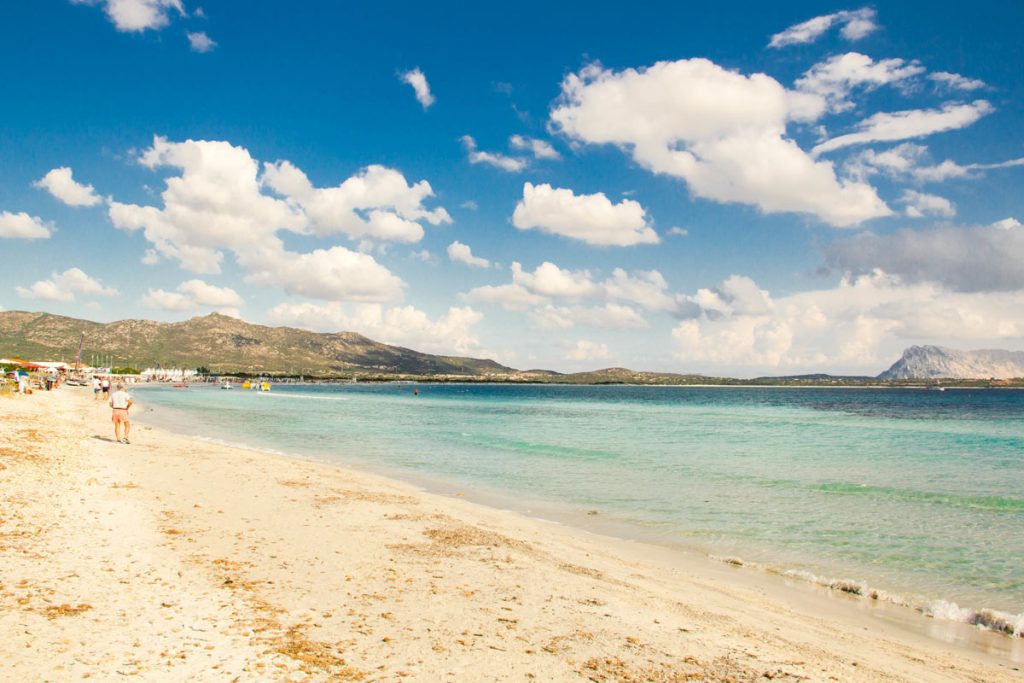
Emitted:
<point x="918" y="493"/>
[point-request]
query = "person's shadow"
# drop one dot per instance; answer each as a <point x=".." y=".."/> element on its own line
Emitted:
<point x="103" y="438"/>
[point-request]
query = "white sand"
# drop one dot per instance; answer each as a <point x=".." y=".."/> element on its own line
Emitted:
<point x="176" y="559"/>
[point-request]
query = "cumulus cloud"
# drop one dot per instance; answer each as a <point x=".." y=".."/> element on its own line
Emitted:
<point x="64" y="286"/>
<point x="914" y="123"/>
<point x="502" y="161"/>
<point x="511" y="297"/>
<point x="587" y="350"/>
<point x="193" y="294"/>
<point x="541" y="149"/>
<point x="548" y="280"/>
<point x="956" y="81"/>
<point x="978" y="259"/>
<point x="860" y="326"/>
<point x="461" y="253"/>
<point x="401" y="325"/>
<point x="200" y="42"/>
<point x="334" y="274"/>
<point x="731" y="147"/>
<point x="647" y="288"/>
<point x="217" y="204"/>
<point x="137" y="15"/>
<point x="61" y="185"/>
<point x="590" y="218"/>
<point x="23" y="226"/>
<point x="920" y="204"/>
<point x="418" y="81"/>
<point x="835" y="78"/>
<point x="537" y="289"/>
<point x="856" y="25"/>
<point x="736" y="295"/>
<point x="376" y="203"/>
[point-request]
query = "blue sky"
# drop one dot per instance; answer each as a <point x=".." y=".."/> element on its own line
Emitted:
<point x="748" y="189"/>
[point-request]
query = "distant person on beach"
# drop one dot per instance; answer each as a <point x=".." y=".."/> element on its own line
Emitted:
<point x="105" y="386"/>
<point x="95" y="389"/>
<point x="121" y="401"/>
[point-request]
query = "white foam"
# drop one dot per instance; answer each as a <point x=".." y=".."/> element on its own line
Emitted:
<point x="989" y="619"/>
<point x="994" y="620"/>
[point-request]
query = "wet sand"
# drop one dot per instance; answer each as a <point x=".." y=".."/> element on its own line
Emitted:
<point x="178" y="559"/>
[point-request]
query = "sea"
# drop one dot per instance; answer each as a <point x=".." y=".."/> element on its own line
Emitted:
<point x="908" y="496"/>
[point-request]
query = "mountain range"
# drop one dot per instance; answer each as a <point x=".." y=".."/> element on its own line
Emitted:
<point x="229" y="345"/>
<point x="223" y="344"/>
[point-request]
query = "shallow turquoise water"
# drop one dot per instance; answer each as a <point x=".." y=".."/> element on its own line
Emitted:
<point x="919" y="493"/>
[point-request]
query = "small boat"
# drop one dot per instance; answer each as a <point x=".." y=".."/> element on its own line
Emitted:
<point x="246" y="384"/>
<point x="265" y="386"/>
<point x="181" y="385"/>
<point x="226" y="385"/>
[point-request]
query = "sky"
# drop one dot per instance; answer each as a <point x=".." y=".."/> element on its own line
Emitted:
<point x="746" y="189"/>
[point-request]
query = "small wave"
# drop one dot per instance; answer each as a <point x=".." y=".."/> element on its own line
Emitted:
<point x="992" y="503"/>
<point x="989" y="619"/>
<point x="993" y="620"/>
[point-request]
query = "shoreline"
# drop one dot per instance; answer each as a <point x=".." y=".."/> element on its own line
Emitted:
<point x="918" y="610"/>
<point x="320" y="570"/>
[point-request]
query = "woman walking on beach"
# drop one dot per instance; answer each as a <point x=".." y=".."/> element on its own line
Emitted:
<point x="121" y="401"/>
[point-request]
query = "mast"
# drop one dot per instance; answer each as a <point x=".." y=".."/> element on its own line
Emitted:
<point x="78" y="358"/>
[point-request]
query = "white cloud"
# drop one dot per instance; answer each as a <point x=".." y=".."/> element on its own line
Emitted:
<point x="910" y="160"/>
<point x="461" y="253"/>
<point x="61" y="185"/>
<point x="218" y="204"/>
<point x="418" y="81"/>
<point x="956" y="81"/>
<point x="534" y="292"/>
<point x="587" y="350"/>
<point x="919" y="205"/>
<point x="376" y="203"/>
<point x="736" y="295"/>
<point x="334" y="274"/>
<point x="64" y="286"/>
<point x="731" y="147"/>
<point x="682" y="232"/>
<point x="611" y="315"/>
<point x="548" y="280"/>
<point x="469" y="205"/>
<point x="200" y="42"/>
<point x="205" y="294"/>
<point x="505" y="163"/>
<point x="402" y="325"/>
<point x="860" y="326"/>
<point x="978" y="259"/>
<point x="511" y="297"/>
<point x="589" y="218"/>
<point x="646" y="288"/>
<point x="835" y="78"/>
<point x="856" y="25"/>
<point x="914" y="123"/>
<point x="541" y="149"/>
<point x="167" y="301"/>
<point x="194" y="294"/>
<point x="137" y="15"/>
<point x="23" y="226"/>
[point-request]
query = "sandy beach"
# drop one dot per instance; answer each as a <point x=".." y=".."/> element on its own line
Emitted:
<point x="177" y="559"/>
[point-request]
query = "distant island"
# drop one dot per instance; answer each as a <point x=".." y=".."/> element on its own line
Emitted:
<point x="222" y="345"/>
